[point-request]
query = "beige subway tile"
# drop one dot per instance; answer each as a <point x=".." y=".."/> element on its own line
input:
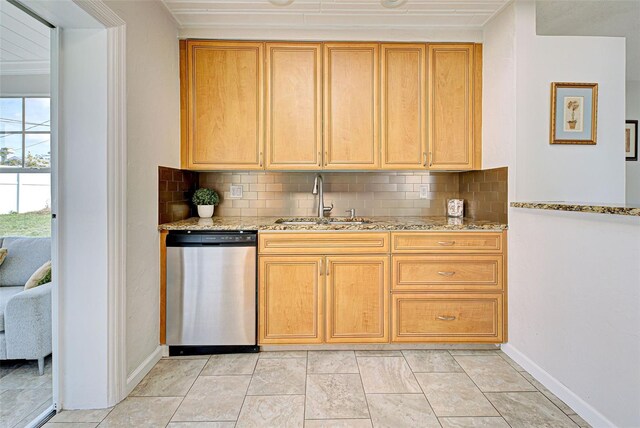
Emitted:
<point x="306" y="203"/>
<point x="287" y="187"/>
<point x="365" y="195"/>
<point x="380" y="187"/>
<point x="354" y="187"/>
<point x="299" y="196"/>
<point x="248" y="178"/>
<point x="248" y="212"/>
<point x="337" y="187"/>
<point x="278" y="203"/>
<point x="391" y="203"/>
<point x="397" y="179"/>
<point x="389" y="195"/>
<point x="274" y="187"/>
<point x="273" y="212"/>
<point x="260" y="203"/>
<point x="266" y="195"/>
<point x="412" y="195"/>
<point x="266" y="178"/>
<point x="299" y="178"/>
<point x="381" y="212"/>
<point x="413" y="179"/>
<point x="240" y="203"/>
<point x="405" y="187"/>
<point x="232" y="212"/>
<point x="256" y="187"/>
<point x="422" y="203"/>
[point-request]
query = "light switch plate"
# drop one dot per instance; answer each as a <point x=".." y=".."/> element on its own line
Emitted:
<point x="424" y="192"/>
<point x="235" y="191"/>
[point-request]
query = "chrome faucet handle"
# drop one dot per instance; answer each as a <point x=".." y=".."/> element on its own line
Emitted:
<point x="352" y="212"/>
<point x="327" y="209"/>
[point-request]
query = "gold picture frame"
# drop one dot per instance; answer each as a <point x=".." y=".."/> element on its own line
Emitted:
<point x="574" y="113"/>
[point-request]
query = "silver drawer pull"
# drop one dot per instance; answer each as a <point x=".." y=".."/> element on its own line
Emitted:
<point x="446" y="243"/>
<point x="446" y="273"/>
<point x="446" y="318"/>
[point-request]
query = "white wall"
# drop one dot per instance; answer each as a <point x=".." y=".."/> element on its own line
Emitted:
<point x="153" y="139"/>
<point x="633" y="167"/>
<point x="82" y="220"/>
<point x="573" y="277"/>
<point x="567" y="172"/>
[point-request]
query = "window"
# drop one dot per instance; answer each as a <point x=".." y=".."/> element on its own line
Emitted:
<point x="25" y="134"/>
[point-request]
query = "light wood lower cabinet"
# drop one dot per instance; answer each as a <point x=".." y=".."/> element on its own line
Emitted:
<point x="357" y="299"/>
<point x="431" y="317"/>
<point x="291" y="300"/>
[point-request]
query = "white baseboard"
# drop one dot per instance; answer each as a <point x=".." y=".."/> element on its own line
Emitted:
<point x="581" y="407"/>
<point x="141" y="371"/>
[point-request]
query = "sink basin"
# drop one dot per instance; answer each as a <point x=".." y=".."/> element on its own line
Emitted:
<point x="326" y="220"/>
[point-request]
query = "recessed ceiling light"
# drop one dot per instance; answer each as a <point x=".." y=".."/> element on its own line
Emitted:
<point x="281" y="2"/>
<point x="392" y="3"/>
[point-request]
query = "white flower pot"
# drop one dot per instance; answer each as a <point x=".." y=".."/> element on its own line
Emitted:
<point x="205" y="211"/>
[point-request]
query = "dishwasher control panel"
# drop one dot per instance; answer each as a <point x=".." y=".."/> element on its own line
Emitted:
<point x="198" y="238"/>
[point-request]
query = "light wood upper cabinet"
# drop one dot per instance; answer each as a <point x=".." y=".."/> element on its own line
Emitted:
<point x="223" y="113"/>
<point x="451" y="104"/>
<point x="290" y="308"/>
<point x="293" y="106"/>
<point x="403" y="108"/>
<point x="351" y="106"/>
<point x="357" y="299"/>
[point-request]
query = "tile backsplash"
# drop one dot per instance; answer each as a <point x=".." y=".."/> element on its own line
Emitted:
<point x="371" y="194"/>
<point x="175" y="188"/>
<point x="485" y="194"/>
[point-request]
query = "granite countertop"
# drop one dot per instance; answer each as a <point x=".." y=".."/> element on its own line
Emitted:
<point x="376" y="224"/>
<point x="584" y="207"/>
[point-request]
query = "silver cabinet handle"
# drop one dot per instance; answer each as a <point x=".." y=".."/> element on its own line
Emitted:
<point x="446" y="318"/>
<point x="319" y="158"/>
<point x="260" y="159"/>
<point x="446" y="243"/>
<point x="446" y="273"/>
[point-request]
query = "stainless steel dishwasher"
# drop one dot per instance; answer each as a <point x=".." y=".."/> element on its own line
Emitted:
<point x="211" y="292"/>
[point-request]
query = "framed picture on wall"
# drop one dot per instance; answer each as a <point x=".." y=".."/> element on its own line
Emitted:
<point x="631" y="140"/>
<point x="574" y="113"/>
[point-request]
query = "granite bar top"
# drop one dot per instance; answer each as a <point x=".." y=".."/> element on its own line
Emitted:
<point x="587" y="207"/>
<point x="374" y="224"/>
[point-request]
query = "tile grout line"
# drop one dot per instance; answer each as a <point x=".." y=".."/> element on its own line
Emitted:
<point x="420" y="386"/>
<point x="185" y="395"/>
<point x="364" y="392"/>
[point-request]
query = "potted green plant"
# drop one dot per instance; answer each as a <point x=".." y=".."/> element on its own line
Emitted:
<point x="206" y="200"/>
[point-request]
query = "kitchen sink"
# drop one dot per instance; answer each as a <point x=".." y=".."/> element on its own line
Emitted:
<point x="326" y="220"/>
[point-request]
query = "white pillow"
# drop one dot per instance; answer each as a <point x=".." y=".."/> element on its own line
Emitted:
<point x="3" y="254"/>
<point x="38" y="275"/>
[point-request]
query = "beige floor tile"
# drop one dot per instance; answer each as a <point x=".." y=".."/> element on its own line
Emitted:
<point x="283" y="354"/>
<point x="16" y="404"/>
<point x="213" y="398"/>
<point x="338" y="423"/>
<point x="201" y="425"/>
<point x="141" y="412"/>
<point x="274" y="376"/>
<point x="512" y="363"/>
<point x="335" y="396"/>
<point x="169" y="378"/>
<point x="286" y="411"/>
<point x="401" y="410"/>
<point x="188" y="357"/>
<point x="81" y="415"/>
<point x="474" y="422"/>
<point x="454" y="394"/>
<point x="378" y="353"/>
<point x="230" y="364"/>
<point x="332" y="362"/>
<point x="387" y="375"/>
<point x="581" y="422"/>
<point x="431" y="362"/>
<point x="493" y="374"/>
<point x="71" y="425"/>
<point x="529" y="409"/>
<point x="473" y="351"/>
<point x="550" y="395"/>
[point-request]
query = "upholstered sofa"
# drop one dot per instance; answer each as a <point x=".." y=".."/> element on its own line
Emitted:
<point x="25" y="315"/>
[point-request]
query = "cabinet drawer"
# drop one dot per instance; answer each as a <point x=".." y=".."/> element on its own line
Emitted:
<point x="424" y="317"/>
<point x="323" y="243"/>
<point x="447" y="273"/>
<point x="451" y="242"/>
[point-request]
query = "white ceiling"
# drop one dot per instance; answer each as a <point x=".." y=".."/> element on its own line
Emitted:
<point x="619" y="18"/>
<point x="327" y="14"/>
<point x="24" y="42"/>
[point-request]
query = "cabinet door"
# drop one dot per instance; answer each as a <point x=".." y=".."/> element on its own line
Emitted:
<point x="293" y="106"/>
<point x="290" y="295"/>
<point x="451" y="77"/>
<point x="351" y="106"/>
<point x="224" y="115"/>
<point x="357" y="299"/>
<point x="403" y="106"/>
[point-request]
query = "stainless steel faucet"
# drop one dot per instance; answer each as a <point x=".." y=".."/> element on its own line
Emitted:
<point x="317" y="190"/>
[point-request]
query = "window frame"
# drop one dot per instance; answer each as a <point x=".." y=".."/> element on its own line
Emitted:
<point x="23" y="132"/>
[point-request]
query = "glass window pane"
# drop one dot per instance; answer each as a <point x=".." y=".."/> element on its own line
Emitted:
<point x="8" y="194"/>
<point x="10" y="114"/>
<point x="37" y="115"/>
<point x="37" y="151"/>
<point x="10" y="150"/>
